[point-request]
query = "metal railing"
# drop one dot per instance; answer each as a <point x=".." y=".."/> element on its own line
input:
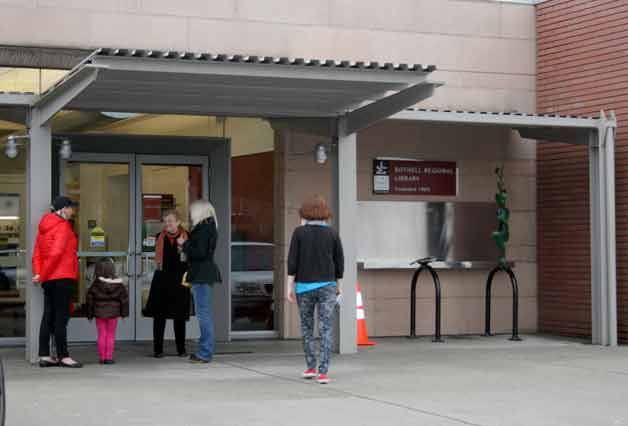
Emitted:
<point x="424" y="264"/>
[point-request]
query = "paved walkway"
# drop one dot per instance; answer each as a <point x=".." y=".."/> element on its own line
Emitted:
<point x="465" y="381"/>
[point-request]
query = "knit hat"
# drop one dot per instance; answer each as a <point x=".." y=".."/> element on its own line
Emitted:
<point x="62" y="202"/>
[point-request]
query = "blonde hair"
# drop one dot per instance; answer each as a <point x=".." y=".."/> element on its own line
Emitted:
<point x="202" y="210"/>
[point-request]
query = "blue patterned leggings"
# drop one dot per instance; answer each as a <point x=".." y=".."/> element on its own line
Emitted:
<point x="325" y="299"/>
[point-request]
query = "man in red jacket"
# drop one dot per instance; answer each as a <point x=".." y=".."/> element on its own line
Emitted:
<point x="55" y="266"/>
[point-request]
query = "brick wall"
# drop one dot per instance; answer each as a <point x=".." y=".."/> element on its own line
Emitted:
<point x="582" y="67"/>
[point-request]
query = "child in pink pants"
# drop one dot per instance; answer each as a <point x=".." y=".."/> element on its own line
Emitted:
<point x="107" y="300"/>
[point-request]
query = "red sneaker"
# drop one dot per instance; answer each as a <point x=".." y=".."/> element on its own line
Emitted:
<point x="309" y="373"/>
<point x="323" y="379"/>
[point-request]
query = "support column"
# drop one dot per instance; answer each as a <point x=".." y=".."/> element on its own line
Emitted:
<point x="345" y="187"/>
<point x="603" y="250"/>
<point x="611" y="244"/>
<point x="220" y="197"/>
<point x="39" y="192"/>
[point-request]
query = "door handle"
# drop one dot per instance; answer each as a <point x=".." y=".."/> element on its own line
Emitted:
<point x="129" y="256"/>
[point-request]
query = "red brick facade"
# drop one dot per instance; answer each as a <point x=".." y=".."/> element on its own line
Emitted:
<point x="582" y="68"/>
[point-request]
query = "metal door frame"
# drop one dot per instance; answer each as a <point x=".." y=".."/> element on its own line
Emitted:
<point x="218" y="152"/>
<point x="79" y="329"/>
<point x="143" y="330"/>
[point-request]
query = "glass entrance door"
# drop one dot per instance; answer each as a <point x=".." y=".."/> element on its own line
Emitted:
<point x="163" y="184"/>
<point x="121" y="202"/>
<point x="102" y="186"/>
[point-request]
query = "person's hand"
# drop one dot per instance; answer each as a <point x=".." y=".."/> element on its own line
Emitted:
<point x="292" y="297"/>
<point x="36" y="279"/>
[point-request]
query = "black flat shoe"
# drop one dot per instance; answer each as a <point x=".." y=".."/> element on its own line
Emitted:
<point x="109" y="362"/>
<point x="197" y="360"/>
<point x="183" y="354"/>
<point x="158" y="355"/>
<point x="46" y="363"/>
<point x="74" y="364"/>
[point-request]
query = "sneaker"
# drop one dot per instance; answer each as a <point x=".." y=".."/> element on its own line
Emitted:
<point x="194" y="359"/>
<point x="323" y="379"/>
<point x="310" y="373"/>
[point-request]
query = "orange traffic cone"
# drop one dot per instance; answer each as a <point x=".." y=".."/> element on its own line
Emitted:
<point x="363" y="337"/>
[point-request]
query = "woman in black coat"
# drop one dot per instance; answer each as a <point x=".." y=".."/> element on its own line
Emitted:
<point x="168" y="299"/>
<point x="202" y="273"/>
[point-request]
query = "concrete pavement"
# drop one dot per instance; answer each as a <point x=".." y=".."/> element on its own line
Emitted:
<point x="465" y="381"/>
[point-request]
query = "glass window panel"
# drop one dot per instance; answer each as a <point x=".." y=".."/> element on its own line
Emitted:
<point x="12" y="246"/>
<point x="102" y="219"/>
<point x="252" y="219"/>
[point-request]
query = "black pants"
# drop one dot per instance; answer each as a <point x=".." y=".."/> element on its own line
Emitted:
<point x="159" y="328"/>
<point x="56" y="316"/>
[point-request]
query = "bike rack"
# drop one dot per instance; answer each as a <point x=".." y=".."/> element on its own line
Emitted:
<point x="515" y="302"/>
<point x="425" y="264"/>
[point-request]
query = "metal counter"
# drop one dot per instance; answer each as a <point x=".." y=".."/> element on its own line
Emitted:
<point x="375" y="264"/>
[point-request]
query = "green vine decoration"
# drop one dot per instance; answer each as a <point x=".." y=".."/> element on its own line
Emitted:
<point x="502" y="234"/>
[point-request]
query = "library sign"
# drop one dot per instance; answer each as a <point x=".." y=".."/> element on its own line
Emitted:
<point x="410" y="177"/>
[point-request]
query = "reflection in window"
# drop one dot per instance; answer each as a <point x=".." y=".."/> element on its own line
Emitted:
<point x="13" y="264"/>
<point x="252" y="217"/>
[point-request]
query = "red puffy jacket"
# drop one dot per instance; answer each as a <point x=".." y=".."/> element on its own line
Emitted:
<point x="56" y="247"/>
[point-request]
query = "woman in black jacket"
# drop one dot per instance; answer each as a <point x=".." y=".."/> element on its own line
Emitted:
<point x="167" y="298"/>
<point x="315" y="270"/>
<point x="202" y="273"/>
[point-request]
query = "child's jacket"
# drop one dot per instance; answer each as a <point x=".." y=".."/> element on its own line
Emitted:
<point x="107" y="298"/>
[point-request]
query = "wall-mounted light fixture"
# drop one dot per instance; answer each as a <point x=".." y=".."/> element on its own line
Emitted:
<point x="11" y="146"/>
<point x="320" y="153"/>
<point x="11" y="149"/>
<point x="65" y="151"/>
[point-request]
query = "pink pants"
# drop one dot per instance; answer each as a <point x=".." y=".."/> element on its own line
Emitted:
<point x="106" y="337"/>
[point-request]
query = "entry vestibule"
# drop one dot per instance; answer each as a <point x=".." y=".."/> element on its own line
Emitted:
<point x="343" y="96"/>
<point x="122" y="196"/>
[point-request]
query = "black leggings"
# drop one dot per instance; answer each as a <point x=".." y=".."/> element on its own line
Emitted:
<point x="159" y="328"/>
<point x="56" y="316"/>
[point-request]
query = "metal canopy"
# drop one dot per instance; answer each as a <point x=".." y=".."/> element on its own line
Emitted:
<point x="14" y="106"/>
<point x="202" y="84"/>
<point x="554" y="128"/>
<point x="599" y="134"/>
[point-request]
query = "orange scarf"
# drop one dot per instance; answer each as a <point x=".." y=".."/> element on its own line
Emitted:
<point x="159" y="246"/>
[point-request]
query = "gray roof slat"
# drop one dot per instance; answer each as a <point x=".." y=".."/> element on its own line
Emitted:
<point x="328" y="63"/>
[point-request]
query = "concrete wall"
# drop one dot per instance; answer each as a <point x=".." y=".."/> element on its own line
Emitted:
<point x="484" y="50"/>
<point x="477" y="150"/>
